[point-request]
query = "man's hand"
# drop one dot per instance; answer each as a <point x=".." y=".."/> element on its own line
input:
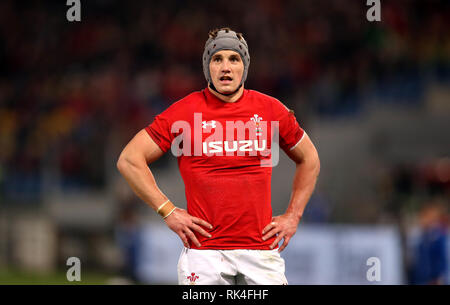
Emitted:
<point x="284" y="226"/>
<point x="182" y="223"/>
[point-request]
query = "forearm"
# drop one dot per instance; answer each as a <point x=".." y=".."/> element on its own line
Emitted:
<point x="133" y="165"/>
<point x="306" y="173"/>
<point x="138" y="175"/>
<point x="305" y="178"/>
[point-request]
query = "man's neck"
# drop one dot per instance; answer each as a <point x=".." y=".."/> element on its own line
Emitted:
<point x="228" y="98"/>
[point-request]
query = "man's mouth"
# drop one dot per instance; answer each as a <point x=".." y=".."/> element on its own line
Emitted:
<point x="226" y="79"/>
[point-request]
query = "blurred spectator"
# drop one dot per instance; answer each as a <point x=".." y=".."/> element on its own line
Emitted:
<point x="429" y="261"/>
<point x="69" y="90"/>
<point x="128" y="238"/>
<point x="66" y="88"/>
<point x="319" y="209"/>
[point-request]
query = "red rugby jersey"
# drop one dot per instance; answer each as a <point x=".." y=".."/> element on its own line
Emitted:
<point x="226" y="148"/>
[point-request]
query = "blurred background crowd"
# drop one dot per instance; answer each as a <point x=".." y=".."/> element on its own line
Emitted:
<point x="374" y="96"/>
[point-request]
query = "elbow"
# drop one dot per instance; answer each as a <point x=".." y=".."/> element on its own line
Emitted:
<point x="124" y="162"/>
<point x="316" y="163"/>
<point x="317" y="166"/>
<point x="121" y="163"/>
<point x="130" y="161"/>
<point x="311" y="163"/>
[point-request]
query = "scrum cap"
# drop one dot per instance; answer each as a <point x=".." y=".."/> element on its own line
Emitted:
<point x="225" y="39"/>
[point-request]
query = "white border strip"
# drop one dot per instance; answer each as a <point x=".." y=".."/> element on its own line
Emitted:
<point x="304" y="132"/>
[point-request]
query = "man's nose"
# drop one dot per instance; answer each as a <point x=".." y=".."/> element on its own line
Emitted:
<point x="225" y="66"/>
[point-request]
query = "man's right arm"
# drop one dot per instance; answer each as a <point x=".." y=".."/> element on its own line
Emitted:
<point x="133" y="165"/>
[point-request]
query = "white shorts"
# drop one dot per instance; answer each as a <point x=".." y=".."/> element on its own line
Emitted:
<point x="231" y="267"/>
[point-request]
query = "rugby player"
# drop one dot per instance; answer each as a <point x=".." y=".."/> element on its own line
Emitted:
<point x="224" y="137"/>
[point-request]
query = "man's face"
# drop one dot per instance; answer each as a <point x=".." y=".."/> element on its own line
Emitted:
<point x="226" y="69"/>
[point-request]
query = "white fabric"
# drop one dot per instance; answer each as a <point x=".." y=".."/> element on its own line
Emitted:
<point x="231" y="267"/>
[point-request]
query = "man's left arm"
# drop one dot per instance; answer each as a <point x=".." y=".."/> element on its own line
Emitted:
<point x="306" y="158"/>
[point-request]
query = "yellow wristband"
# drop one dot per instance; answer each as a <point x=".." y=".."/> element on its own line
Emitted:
<point x="166" y="209"/>
<point x="161" y="206"/>
<point x="169" y="213"/>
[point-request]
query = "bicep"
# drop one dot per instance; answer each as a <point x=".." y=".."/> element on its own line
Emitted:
<point x="305" y="151"/>
<point x="142" y="146"/>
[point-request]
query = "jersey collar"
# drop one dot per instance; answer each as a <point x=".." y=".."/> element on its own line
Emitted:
<point x="212" y="98"/>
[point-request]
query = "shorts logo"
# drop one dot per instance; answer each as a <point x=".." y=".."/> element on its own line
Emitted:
<point x="192" y="278"/>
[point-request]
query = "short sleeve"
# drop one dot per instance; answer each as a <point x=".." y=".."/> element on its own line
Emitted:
<point x="290" y="132"/>
<point x="159" y="131"/>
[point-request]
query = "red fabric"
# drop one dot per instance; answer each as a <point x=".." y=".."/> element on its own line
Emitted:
<point x="232" y="192"/>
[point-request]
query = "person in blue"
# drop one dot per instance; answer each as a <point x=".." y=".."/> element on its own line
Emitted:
<point x="128" y="237"/>
<point x="429" y="264"/>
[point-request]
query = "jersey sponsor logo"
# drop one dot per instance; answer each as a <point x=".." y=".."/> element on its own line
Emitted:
<point x="236" y="138"/>
<point x="232" y="146"/>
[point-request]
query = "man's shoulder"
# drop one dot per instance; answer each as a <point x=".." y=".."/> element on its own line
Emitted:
<point x="191" y="97"/>
<point x="186" y="103"/>
<point x="265" y="98"/>
<point x="275" y="104"/>
<point x="196" y="95"/>
<point x="262" y="96"/>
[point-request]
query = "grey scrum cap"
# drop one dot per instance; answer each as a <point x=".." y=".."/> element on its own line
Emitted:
<point x="226" y="39"/>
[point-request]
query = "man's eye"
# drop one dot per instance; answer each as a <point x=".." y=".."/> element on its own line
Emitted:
<point x="216" y="59"/>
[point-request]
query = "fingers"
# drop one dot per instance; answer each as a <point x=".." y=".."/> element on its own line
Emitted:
<point x="285" y="243"/>
<point x="273" y="231"/>
<point x="269" y="227"/>
<point x="188" y="234"/>
<point x="270" y="234"/>
<point x="184" y="239"/>
<point x="201" y="222"/>
<point x="276" y="241"/>
<point x="194" y="226"/>
<point x="270" y="230"/>
<point x="276" y="229"/>
<point x="200" y="230"/>
<point x="192" y="237"/>
<point x="184" y="224"/>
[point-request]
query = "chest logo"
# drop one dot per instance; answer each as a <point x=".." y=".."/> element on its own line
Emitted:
<point x="205" y="124"/>
<point x="257" y="119"/>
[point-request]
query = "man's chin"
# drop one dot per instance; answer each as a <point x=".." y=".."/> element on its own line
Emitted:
<point x="225" y="90"/>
